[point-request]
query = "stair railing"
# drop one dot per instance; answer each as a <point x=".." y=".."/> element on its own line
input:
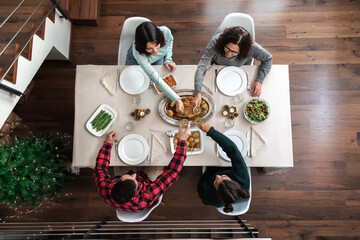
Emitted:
<point x="55" y="4"/>
<point x="205" y="228"/>
<point x="12" y="13"/>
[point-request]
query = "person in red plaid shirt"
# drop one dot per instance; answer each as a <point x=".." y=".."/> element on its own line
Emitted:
<point x="132" y="192"/>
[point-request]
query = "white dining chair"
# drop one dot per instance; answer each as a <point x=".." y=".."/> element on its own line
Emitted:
<point x="127" y="36"/>
<point x="241" y="206"/>
<point x="126" y="216"/>
<point x="238" y="19"/>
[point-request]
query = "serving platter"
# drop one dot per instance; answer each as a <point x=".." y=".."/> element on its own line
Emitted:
<point x="109" y="110"/>
<point x="183" y="93"/>
<point x="164" y="77"/>
<point x="193" y="150"/>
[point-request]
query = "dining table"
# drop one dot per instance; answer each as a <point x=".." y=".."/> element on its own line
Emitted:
<point x="276" y="149"/>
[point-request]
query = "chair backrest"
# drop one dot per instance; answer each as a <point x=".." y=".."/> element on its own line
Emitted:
<point x="126" y="216"/>
<point x="242" y="205"/>
<point x="238" y="19"/>
<point x="127" y="36"/>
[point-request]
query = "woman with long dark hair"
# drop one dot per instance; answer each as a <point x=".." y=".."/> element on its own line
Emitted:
<point x="153" y="46"/>
<point x="219" y="186"/>
<point x="233" y="47"/>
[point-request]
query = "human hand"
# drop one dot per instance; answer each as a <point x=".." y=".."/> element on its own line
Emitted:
<point x="184" y="133"/>
<point x="171" y="66"/>
<point x="110" y="138"/>
<point x="256" y="89"/>
<point x="205" y="127"/>
<point x="179" y="106"/>
<point x="197" y="99"/>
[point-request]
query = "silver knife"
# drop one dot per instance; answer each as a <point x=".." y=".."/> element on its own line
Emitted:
<point x="118" y="80"/>
<point x="248" y="136"/>
<point x="216" y="73"/>
<point x="248" y="81"/>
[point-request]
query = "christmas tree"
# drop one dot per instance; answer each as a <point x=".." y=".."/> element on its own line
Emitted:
<point x="32" y="170"/>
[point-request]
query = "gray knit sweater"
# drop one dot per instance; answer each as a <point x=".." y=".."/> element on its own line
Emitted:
<point x="211" y="56"/>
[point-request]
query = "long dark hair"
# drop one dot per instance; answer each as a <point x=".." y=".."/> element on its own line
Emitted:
<point x="236" y="35"/>
<point x="229" y="192"/>
<point x="148" y="32"/>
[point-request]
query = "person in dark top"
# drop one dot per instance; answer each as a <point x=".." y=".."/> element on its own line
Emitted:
<point x="220" y="186"/>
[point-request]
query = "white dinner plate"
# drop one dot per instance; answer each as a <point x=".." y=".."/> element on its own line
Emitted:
<point x="133" y="149"/>
<point x="133" y="80"/>
<point x="231" y="81"/>
<point x="240" y="141"/>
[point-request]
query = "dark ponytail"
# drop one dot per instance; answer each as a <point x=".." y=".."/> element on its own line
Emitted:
<point x="229" y="192"/>
<point x="228" y="207"/>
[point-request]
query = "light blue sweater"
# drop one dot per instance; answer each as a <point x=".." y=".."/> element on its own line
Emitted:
<point x="164" y="52"/>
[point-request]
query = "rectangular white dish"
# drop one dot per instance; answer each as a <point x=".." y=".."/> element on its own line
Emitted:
<point x="163" y="77"/>
<point x="109" y="110"/>
<point x="193" y="150"/>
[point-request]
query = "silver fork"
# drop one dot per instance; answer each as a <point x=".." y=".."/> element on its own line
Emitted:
<point x="248" y="80"/>
<point x="116" y="148"/>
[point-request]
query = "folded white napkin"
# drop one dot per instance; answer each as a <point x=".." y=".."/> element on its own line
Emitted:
<point x="257" y="142"/>
<point x="209" y="80"/>
<point x="109" y="81"/>
<point x="158" y="149"/>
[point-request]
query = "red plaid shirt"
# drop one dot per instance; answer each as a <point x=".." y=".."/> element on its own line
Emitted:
<point x="147" y="191"/>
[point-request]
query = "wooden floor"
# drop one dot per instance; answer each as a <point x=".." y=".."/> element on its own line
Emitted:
<point x="320" y="39"/>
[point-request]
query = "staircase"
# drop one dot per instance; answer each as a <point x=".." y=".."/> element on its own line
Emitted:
<point x="31" y="31"/>
<point x="175" y="229"/>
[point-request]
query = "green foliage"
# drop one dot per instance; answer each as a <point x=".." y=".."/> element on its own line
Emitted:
<point x="32" y="169"/>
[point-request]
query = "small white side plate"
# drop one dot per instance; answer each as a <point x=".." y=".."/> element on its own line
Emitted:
<point x="240" y="141"/>
<point x="133" y="149"/>
<point x="108" y="110"/>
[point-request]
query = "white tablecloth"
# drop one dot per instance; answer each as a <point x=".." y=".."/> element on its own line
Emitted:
<point x="90" y="94"/>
